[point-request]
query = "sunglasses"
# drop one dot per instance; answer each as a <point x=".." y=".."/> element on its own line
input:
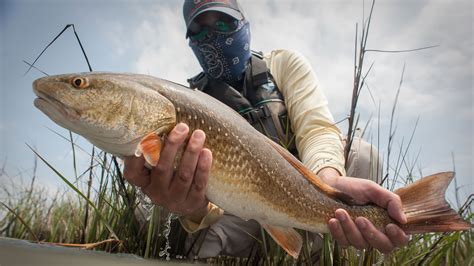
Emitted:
<point x="198" y="32"/>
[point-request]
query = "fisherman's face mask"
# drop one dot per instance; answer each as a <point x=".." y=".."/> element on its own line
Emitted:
<point x="223" y="55"/>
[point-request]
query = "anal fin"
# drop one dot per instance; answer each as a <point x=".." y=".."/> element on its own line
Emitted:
<point x="286" y="237"/>
<point x="150" y="147"/>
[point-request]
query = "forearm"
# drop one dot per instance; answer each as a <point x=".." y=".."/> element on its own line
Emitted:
<point x="329" y="176"/>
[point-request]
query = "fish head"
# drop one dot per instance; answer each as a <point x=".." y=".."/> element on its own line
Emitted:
<point x="112" y="111"/>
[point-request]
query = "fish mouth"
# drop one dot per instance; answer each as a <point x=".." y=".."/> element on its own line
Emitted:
<point x="50" y="106"/>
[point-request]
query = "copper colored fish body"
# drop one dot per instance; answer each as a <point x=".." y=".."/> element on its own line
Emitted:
<point x="251" y="177"/>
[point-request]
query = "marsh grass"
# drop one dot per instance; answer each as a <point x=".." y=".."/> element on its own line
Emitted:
<point x="110" y="213"/>
<point x="118" y="222"/>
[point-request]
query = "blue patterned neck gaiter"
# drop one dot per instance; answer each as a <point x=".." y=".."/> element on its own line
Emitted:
<point x="225" y="56"/>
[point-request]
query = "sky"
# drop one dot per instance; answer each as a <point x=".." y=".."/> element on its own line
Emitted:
<point x="148" y="37"/>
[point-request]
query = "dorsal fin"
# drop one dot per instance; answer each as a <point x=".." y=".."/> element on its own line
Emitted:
<point x="311" y="177"/>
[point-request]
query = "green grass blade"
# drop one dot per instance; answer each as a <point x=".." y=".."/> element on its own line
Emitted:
<point x="150" y="233"/>
<point x="21" y="220"/>
<point x="109" y="227"/>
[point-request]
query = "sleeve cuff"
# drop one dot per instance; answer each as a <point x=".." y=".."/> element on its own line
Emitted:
<point x="329" y="163"/>
<point x="214" y="214"/>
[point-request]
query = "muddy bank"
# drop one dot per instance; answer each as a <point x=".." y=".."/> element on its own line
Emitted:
<point x="22" y="252"/>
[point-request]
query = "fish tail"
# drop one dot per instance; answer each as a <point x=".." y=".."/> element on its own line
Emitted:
<point x="426" y="208"/>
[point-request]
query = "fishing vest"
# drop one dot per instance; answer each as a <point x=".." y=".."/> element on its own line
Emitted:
<point x="260" y="102"/>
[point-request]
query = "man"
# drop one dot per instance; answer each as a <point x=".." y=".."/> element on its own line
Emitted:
<point x="284" y="86"/>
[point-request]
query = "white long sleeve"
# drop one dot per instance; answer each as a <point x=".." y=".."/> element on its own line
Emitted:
<point x="318" y="140"/>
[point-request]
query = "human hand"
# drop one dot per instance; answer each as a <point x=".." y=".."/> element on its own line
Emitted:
<point x="181" y="191"/>
<point x="361" y="233"/>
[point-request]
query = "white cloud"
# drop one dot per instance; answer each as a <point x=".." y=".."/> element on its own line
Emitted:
<point x="153" y="38"/>
<point x="437" y="82"/>
<point x="117" y="35"/>
<point x="435" y="79"/>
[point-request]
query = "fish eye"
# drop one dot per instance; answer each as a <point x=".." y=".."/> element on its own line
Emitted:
<point x="79" y="82"/>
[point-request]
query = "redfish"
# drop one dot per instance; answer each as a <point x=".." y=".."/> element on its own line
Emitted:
<point x="251" y="176"/>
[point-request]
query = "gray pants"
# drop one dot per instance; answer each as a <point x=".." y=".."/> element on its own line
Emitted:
<point x="233" y="236"/>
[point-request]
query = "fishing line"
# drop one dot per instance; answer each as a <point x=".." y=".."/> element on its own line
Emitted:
<point x="119" y="175"/>
<point x="54" y="39"/>
<point x="24" y="61"/>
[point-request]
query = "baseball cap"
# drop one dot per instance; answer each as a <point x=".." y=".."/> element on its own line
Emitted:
<point x="193" y="8"/>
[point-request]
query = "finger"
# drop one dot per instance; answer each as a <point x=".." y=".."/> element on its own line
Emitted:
<point x="373" y="236"/>
<point x="388" y="200"/>
<point x="197" y="193"/>
<point x="395" y="210"/>
<point x="396" y="235"/>
<point x="337" y="232"/>
<point x="183" y="178"/>
<point x="203" y="169"/>
<point x="135" y="172"/>
<point x="162" y="173"/>
<point x="352" y="233"/>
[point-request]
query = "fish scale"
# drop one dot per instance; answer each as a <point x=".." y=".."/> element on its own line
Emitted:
<point x="229" y="166"/>
<point x="237" y="146"/>
<point x="251" y="176"/>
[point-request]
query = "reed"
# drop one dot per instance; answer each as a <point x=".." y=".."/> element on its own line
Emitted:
<point x="120" y="221"/>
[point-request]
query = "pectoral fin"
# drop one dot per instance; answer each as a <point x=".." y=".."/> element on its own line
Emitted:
<point x="150" y="148"/>
<point x="287" y="237"/>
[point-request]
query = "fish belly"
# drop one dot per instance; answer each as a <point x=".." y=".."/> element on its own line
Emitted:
<point x="248" y="205"/>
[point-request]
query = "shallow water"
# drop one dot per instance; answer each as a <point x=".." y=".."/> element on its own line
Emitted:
<point x="22" y="252"/>
<point x="166" y="234"/>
